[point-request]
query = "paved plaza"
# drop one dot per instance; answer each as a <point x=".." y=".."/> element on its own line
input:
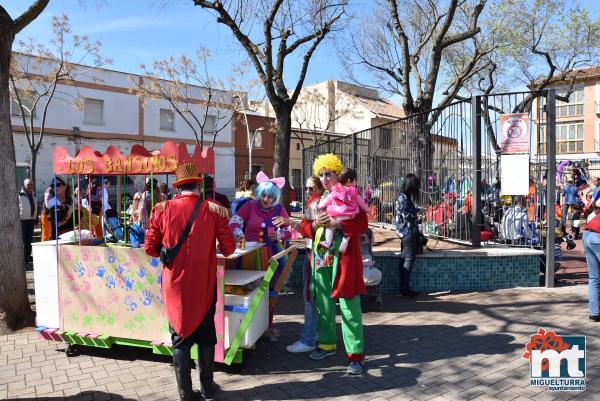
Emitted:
<point x="466" y="346"/>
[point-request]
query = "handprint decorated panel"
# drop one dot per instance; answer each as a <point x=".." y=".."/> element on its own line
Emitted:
<point x="111" y="291"/>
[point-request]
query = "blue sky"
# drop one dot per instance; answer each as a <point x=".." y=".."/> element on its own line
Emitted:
<point x="140" y="31"/>
<point x="137" y="31"/>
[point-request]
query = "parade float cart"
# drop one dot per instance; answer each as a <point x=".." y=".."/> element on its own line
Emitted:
<point x="103" y="295"/>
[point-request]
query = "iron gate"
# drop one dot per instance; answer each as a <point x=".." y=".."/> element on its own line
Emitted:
<point x="455" y="151"/>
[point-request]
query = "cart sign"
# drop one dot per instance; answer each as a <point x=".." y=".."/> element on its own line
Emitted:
<point x="139" y="161"/>
<point x="514" y="130"/>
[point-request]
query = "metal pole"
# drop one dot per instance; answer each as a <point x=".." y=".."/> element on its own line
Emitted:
<point x="354" y="152"/>
<point x="476" y="165"/>
<point x="249" y="145"/>
<point x="550" y="109"/>
<point x="303" y="178"/>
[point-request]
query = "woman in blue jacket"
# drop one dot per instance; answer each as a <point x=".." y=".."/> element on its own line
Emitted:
<point x="407" y="229"/>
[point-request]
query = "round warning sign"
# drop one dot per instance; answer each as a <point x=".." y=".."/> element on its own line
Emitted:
<point x="514" y="133"/>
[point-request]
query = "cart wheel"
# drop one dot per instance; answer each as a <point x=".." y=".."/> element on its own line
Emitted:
<point x="71" y="350"/>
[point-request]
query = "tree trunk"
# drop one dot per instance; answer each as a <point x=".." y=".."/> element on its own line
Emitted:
<point x="281" y="158"/>
<point x="421" y="144"/>
<point x="33" y="164"/>
<point x="14" y="302"/>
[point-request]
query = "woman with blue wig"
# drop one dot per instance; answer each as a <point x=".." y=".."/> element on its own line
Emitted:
<point x="254" y="222"/>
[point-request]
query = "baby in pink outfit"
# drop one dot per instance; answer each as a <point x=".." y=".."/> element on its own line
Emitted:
<point x="343" y="203"/>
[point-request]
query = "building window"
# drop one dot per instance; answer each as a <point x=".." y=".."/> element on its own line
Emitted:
<point x="297" y="145"/>
<point x="93" y="111"/>
<point x="166" y="119"/>
<point x="257" y="136"/>
<point x="27" y="101"/>
<point x="296" y="178"/>
<point x="385" y="138"/>
<point x="569" y="138"/>
<point x="572" y="108"/>
<point x="258" y="139"/>
<point x="210" y="125"/>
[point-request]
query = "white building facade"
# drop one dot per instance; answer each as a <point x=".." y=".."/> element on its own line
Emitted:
<point x="103" y="108"/>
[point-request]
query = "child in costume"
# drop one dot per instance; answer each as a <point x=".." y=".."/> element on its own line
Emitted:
<point x="343" y="203"/>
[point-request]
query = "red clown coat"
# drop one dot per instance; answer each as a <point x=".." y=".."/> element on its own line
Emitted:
<point x="349" y="280"/>
<point x="188" y="286"/>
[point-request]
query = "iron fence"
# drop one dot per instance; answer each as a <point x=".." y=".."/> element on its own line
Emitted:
<point x="455" y="150"/>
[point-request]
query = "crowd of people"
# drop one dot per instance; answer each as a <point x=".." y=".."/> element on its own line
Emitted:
<point x="334" y="218"/>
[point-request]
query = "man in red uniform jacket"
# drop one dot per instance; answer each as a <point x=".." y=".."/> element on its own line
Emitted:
<point x="189" y="283"/>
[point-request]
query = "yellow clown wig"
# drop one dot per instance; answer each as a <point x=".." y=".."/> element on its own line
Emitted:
<point x="329" y="162"/>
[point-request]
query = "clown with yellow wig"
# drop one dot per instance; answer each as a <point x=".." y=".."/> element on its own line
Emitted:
<point x="336" y="275"/>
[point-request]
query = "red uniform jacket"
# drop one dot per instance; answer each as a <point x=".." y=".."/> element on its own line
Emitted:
<point x="349" y="281"/>
<point x="188" y="286"/>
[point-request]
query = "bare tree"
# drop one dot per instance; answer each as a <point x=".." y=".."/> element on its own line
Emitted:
<point x="203" y="102"/>
<point x="270" y="32"/>
<point x="404" y="43"/>
<point x="548" y="47"/>
<point x="14" y="302"/>
<point x="316" y="116"/>
<point x="39" y="72"/>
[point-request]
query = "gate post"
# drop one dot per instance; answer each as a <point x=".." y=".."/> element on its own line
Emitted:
<point x="303" y="177"/>
<point x="550" y="110"/>
<point x="476" y="166"/>
<point x="354" y="152"/>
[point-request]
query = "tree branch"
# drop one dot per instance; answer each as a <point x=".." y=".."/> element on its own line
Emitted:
<point x="406" y="68"/>
<point x="473" y="28"/>
<point x="323" y="32"/>
<point x="30" y="14"/>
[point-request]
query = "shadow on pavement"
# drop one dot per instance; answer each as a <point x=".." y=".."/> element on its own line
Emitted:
<point x="118" y="352"/>
<point x="391" y="352"/>
<point x="83" y="396"/>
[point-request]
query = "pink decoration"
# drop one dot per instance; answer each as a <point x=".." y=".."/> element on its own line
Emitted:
<point x="278" y="181"/>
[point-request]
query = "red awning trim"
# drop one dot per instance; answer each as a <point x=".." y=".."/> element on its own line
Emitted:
<point x="140" y="161"/>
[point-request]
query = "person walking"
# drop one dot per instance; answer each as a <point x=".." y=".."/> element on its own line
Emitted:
<point x="28" y="210"/>
<point x="569" y="194"/>
<point x="407" y="229"/>
<point x="189" y="281"/>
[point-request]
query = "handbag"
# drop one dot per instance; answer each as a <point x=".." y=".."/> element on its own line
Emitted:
<point x="167" y="255"/>
<point x="594" y="224"/>
<point x="421" y="242"/>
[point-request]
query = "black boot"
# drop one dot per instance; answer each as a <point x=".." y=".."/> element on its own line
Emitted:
<point x="182" y="365"/>
<point x="206" y="361"/>
<point x="407" y="293"/>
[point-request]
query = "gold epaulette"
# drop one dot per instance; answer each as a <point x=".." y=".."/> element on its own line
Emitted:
<point x="220" y="210"/>
<point x="160" y="206"/>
